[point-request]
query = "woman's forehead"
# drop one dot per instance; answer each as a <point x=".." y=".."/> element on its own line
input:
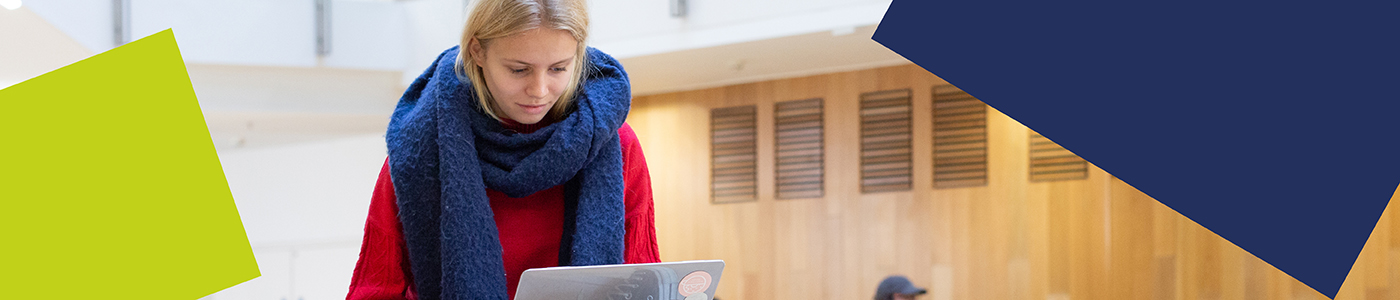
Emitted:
<point x="536" y="46"/>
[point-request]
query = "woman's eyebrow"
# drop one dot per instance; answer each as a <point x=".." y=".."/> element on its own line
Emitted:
<point x="528" y="64"/>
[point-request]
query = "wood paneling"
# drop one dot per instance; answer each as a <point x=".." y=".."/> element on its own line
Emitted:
<point x="1014" y="238"/>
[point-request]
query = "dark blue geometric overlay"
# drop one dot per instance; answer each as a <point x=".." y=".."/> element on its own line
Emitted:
<point x="1275" y="124"/>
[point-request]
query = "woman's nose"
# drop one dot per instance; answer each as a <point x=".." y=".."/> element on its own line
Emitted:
<point x="538" y="86"/>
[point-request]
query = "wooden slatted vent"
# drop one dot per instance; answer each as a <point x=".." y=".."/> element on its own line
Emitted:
<point x="733" y="145"/>
<point x="1050" y="161"/>
<point x="885" y="146"/>
<point x="799" y="164"/>
<point x="959" y="139"/>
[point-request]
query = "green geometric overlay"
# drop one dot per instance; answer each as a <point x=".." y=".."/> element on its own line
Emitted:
<point x="109" y="184"/>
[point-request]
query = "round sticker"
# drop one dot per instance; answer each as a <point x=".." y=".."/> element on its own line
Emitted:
<point x="695" y="282"/>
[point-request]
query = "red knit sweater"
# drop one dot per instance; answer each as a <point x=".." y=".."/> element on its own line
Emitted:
<point x="530" y="228"/>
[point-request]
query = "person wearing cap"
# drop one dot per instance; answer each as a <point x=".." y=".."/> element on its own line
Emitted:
<point x="897" y="288"/>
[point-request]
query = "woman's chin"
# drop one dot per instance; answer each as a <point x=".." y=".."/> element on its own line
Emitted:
<point x="528" y="119"/>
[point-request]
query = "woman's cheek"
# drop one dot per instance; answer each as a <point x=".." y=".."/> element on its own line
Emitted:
<point x="506" y="90"/>
<point x="558" y="87"/>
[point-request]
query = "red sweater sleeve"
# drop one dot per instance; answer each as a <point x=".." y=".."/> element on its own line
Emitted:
<point x="383" y="271"/>
<point x="641" y="220"/>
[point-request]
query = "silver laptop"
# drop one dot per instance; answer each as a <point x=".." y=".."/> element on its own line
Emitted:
<point x="685" y="280"/>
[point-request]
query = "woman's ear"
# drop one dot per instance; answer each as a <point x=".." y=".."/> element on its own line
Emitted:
<point x="474" y="49"/>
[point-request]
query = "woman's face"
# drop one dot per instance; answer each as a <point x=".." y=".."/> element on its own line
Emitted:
<point x="527" y="72"/>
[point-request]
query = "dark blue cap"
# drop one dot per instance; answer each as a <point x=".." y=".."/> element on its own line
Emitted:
<point x="897" y="285"/>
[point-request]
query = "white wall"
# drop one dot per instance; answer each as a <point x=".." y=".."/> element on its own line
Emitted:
<point x="303" y="207"/>
<point x="89" y="22"/>
<point x="434" y="26"/>
<point x="223" y="88"/>
<point x="30" y="46"/>
<point x="369" y="35"/>
<point x="244" y="32"/>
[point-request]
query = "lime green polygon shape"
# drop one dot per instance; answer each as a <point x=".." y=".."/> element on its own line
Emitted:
<point x="111" y="188"/>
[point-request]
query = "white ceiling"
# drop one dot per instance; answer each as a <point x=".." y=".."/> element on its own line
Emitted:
<point x="785" y="57"/>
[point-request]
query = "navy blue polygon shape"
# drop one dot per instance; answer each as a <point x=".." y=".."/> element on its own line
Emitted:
<point x="1272" y="123"/>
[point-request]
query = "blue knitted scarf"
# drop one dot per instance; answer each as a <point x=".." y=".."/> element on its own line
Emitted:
<point x="444" y="152"/>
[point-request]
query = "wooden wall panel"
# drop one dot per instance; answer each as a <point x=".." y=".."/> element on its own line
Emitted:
<point x="799" y="148"/>
<point x="734" y="153"/>
<point x="1050" y="161"/>
<point x="1013" y="238"/>
<point x="959" y="138"/>
<point x="886" y="141"/>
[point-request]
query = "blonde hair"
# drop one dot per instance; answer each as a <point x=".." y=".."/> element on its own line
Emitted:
<point x="491" y="19"/>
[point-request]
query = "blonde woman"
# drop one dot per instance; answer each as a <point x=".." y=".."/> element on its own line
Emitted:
<point x="508" y="153"/>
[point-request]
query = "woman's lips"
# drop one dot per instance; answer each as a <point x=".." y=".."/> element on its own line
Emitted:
<point x="533" y="109"/>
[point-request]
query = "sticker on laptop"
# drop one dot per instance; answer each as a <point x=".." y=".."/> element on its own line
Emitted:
<point x="695" y="282"/>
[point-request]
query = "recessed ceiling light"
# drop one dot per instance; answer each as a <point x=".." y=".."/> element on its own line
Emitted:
<point x="11" y="4"/>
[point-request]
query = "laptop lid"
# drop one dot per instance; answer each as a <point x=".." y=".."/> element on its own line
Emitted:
<point x="685" y="280"/>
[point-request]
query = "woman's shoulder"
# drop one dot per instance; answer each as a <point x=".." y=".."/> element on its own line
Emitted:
<point x="625" y="132"/>
<point x="629" y="139"/>
<point x="631" y="147"/>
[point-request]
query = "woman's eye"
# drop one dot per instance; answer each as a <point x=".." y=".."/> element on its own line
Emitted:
<point x="559" y="69"/>
<point x="517" y="71"/>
